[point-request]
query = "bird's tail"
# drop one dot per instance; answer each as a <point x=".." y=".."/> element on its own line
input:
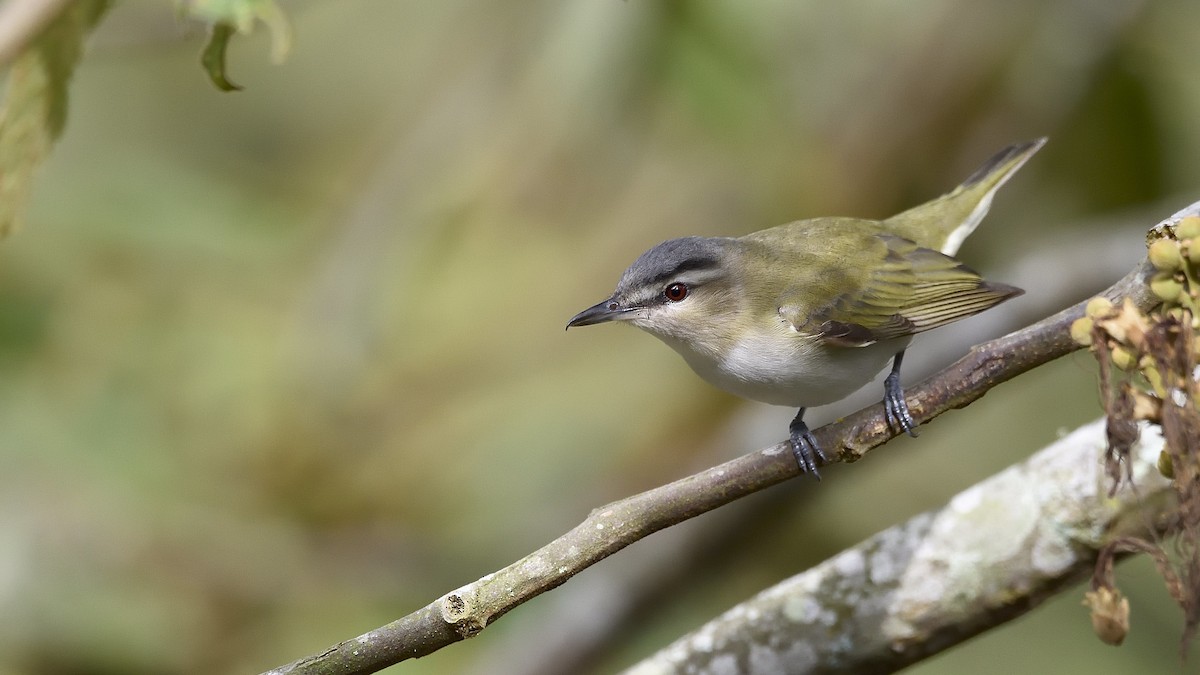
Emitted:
<point x="944" y="223"/>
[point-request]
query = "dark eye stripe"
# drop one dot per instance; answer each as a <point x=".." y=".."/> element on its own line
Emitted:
<point x="688" y="265"/>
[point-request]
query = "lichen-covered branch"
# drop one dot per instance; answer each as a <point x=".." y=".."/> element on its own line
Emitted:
<point x="993" y="552"/>
<point x="468" y="610"/>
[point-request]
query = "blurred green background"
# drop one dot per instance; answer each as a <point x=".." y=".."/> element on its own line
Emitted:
<point x="279" y="366"/>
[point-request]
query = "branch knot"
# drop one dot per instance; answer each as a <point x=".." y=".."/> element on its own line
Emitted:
<point x="459" y="612"/>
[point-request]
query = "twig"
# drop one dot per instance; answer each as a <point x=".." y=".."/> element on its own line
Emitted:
<point x="463" y="613"/>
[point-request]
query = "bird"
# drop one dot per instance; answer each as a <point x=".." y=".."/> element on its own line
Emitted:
<point x="805" y="313"/>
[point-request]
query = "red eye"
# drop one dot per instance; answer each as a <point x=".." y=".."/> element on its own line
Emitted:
<point x="675" y="292"/>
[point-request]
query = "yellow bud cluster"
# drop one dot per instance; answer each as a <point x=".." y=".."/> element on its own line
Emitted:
<point x="1124" y="325"/>
<point x="1148" y="364"/>
<point x="1119" y="332"/>
<point x="1176" y="256"/>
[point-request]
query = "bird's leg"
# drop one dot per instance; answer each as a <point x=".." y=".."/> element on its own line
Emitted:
<point x="804" y="446"/>
<point x="895" y="408"/>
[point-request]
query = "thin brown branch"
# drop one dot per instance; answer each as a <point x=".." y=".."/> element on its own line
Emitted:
<point x="465" y="612"/>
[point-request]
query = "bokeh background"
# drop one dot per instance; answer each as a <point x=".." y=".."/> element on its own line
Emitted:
<point x="279" y="366"/>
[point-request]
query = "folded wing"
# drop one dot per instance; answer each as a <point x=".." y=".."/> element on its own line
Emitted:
<point x="913" y="289"/>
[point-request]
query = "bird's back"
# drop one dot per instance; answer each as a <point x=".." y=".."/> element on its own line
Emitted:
<point x="814" y="256"/>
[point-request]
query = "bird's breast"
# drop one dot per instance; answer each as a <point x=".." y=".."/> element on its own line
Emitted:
<point x="788" y="369"/>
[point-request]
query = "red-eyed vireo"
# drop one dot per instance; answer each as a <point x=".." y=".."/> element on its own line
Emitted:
<point x="803" y="314"/>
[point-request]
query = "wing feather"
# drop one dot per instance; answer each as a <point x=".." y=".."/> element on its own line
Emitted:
<point x="913" y="289"/>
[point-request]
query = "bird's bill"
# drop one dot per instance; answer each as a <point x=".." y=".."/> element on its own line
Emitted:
<point x="601" y="312"/>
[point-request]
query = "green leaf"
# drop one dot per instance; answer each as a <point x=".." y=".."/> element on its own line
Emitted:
<point x="213" y="57"/>
<point x="238" y="16"/>
<point x="35" y="104"/>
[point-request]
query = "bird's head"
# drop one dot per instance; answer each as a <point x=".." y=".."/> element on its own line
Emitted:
<point x="682" y="289"/>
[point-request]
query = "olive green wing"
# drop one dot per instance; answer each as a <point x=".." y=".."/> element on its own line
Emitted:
<point x="910" y="290"/>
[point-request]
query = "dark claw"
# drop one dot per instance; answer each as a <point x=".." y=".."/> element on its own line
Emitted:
<point x="805" y="448"/>
<point x="895" y="408"/>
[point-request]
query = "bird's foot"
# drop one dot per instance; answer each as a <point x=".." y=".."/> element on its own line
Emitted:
<point x="895" y="408"/>
<point x="805" y="448"/>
